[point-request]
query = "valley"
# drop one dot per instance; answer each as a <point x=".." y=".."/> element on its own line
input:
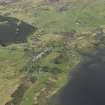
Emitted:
<point x="41" y="41"/>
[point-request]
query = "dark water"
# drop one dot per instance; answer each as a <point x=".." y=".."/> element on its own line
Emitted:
<point x="87" y="83"/>
<point x="14" y="31"/>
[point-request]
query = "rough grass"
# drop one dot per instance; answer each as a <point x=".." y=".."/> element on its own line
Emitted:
<point x="79" y="15"/>
<point x="51" y="19"/>
<point x="12" y="62"/>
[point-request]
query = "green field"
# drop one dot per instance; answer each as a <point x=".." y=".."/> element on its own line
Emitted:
<point x="65" y="30"/>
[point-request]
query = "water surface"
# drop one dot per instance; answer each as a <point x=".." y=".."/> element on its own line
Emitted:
<point x="13" y="30"/>
<point x="87" y="83"/>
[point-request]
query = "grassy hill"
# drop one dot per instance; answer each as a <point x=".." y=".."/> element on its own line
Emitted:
<point x="32" y="72"/>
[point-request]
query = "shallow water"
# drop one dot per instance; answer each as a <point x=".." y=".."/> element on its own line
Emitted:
<point x="86" y="85"/>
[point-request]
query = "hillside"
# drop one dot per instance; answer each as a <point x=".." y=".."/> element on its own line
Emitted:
<point x="41" y="41"/>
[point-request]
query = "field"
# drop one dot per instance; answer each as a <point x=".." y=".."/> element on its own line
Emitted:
<point x="31" y="73"/>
